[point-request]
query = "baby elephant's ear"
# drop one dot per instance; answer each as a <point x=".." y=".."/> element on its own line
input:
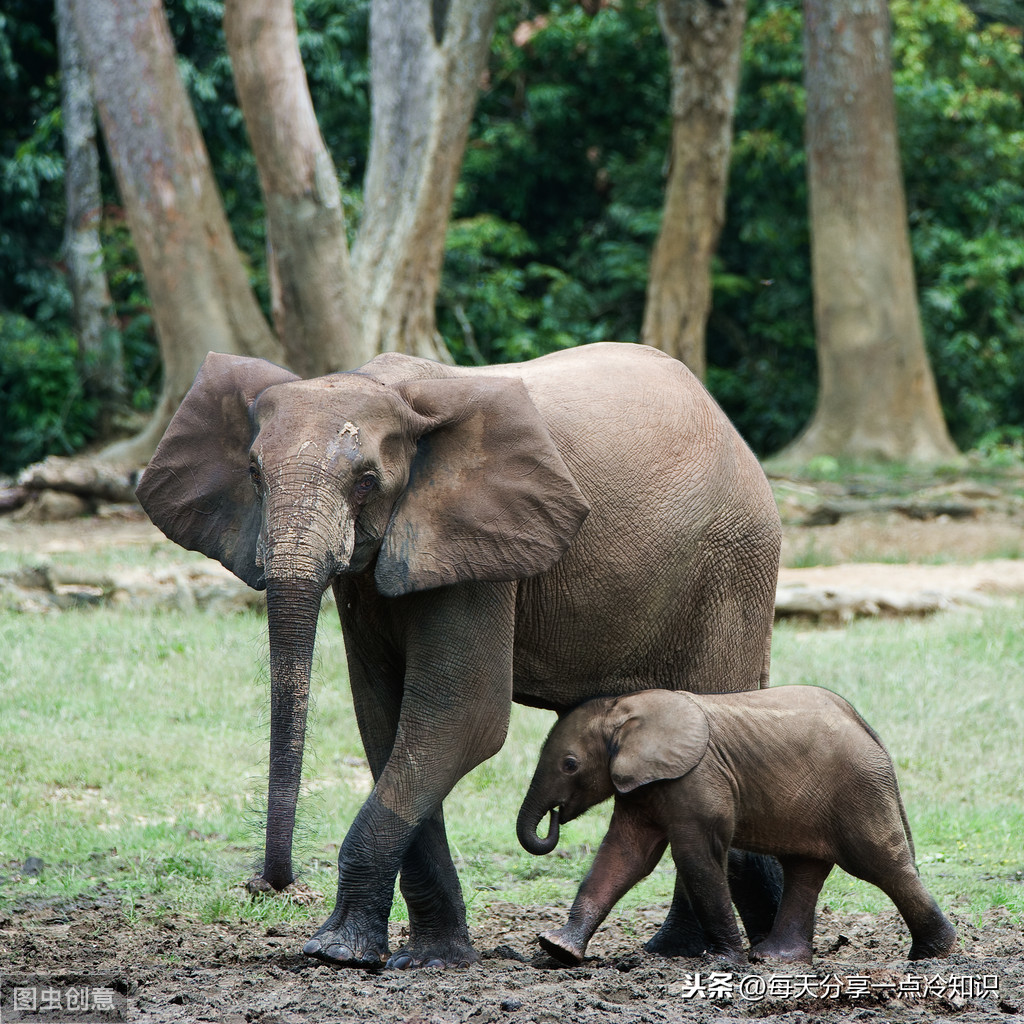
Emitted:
<point x="658" y="734"/>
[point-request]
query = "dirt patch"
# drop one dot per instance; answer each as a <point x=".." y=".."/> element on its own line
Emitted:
<point x="181" y="970"/>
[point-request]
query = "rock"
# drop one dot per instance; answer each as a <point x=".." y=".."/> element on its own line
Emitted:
<point x="52" y="507"/>
<point x="33" y="867"/>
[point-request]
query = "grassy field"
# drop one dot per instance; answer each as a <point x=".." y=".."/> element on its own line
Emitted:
<point x="133" y="760"/>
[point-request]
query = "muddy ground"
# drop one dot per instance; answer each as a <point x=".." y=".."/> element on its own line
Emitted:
<point x="180" y="970"/>
<point x="176" y="969"/>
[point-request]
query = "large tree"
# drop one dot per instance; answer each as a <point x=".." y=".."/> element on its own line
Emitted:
<point x="426" y="64"/>
<point x="877" y="397"/>
<point x="312" y="296"/>
<point x="100" y="358"/>
<point x="198" y="286"/>
<point x="704" y="42"/>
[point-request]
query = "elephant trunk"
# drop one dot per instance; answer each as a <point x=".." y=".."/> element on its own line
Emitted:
<point x="292" y="612"/>
<point x="526" y="827"/>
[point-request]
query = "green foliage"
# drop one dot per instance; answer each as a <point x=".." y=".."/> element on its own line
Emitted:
<point x="42" y="410"/>
<point x="497" y="305"/>
<point x="761" y="363"/>
<point x="959" y="91"/>
<point x="31" y="165"/>
<point x="333" y="41"/>
<point x="568" y="145"/>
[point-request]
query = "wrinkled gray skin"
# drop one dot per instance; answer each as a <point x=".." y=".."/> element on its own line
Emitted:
<point x="791" y="771"/>
<point x="584" y="523"/>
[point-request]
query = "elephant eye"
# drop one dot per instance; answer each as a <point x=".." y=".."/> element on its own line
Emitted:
<point x="364" y="487"/>
<point x="570" y="765"/>
<point x="255" y="476"/>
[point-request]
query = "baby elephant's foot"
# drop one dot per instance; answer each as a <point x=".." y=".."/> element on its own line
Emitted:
<point x="562" y="947"/>
<point x="725" y="952"/>
<point x="940" y="943"/>
<point x="790" y="951"/>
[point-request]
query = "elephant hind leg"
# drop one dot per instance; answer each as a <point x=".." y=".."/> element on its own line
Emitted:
<point x="932" y="938"/>
<point x="932" y="934"/>
<point x="792" y="935"/>
<point x="755" y="881"/>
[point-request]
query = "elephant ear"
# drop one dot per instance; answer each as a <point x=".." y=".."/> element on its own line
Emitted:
<point x="489" y="497"/>
<point x="657" y="734"/>
<point x="196" y="488"/>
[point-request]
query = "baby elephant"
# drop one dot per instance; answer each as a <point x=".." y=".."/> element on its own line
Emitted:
<point x="791" y="771"/>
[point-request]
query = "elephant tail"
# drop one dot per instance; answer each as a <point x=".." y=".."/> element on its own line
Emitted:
<point x="906" y="824"/>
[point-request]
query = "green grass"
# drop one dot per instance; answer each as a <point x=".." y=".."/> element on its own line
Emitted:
<point x="1002" y="467"/>
<point x="133" y="760"/>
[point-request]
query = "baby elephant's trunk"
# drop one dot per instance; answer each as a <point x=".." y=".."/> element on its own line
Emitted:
<point x="526" y="828"/>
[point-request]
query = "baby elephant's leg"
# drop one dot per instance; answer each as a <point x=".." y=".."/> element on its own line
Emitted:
<point x="755" y="882"/>
<point x="703" y="870"/>
<point x="681" y="933"/>
<point x="792" y="934"/>
<point x="931" y="932"/>
<point x="630" y="851"/>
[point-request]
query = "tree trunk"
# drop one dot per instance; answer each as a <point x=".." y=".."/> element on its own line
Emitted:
<point x="308" y="254"/>
<point x="100" y="361"/>
<point x="704" y="43"/>
<point x="198" y="287"/>
<point x="877" y="397"/>
<point x="426" y="63"/>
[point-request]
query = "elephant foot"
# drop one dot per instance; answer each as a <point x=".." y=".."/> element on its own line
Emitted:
<point x="939" y="944"/>
<point x="727" y="953"/>
<point x="341" y="945"/>
<point x="673" y="940"/>
<point x="562" y="947"/>
<point x="453" y="955"/>
<point x="798" y="951"/>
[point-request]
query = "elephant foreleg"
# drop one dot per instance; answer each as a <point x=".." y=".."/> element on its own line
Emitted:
<point x="423" y="730"/>
<point x="681" y="933"/>
<point x="438" y="935"/>
<point x="356" y="933"/>
<point x="792" y="934"/>
<point x="630" y="851"/>
<point x="701" y="864"/>
<point x="755" y="883"/>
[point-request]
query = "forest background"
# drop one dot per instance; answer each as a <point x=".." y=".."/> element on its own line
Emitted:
<point x="559" y="204"/>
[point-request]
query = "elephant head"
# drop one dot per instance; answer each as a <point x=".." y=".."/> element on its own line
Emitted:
<point x="289" y="483"/>
<point x="606" y="746"/>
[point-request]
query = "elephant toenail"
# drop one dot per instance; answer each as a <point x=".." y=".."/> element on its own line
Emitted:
<point x="434" y="962"/>
<point x="402" y="963"/>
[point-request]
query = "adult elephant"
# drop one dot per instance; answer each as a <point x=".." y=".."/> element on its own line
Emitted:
<point x="584" y="523"/>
